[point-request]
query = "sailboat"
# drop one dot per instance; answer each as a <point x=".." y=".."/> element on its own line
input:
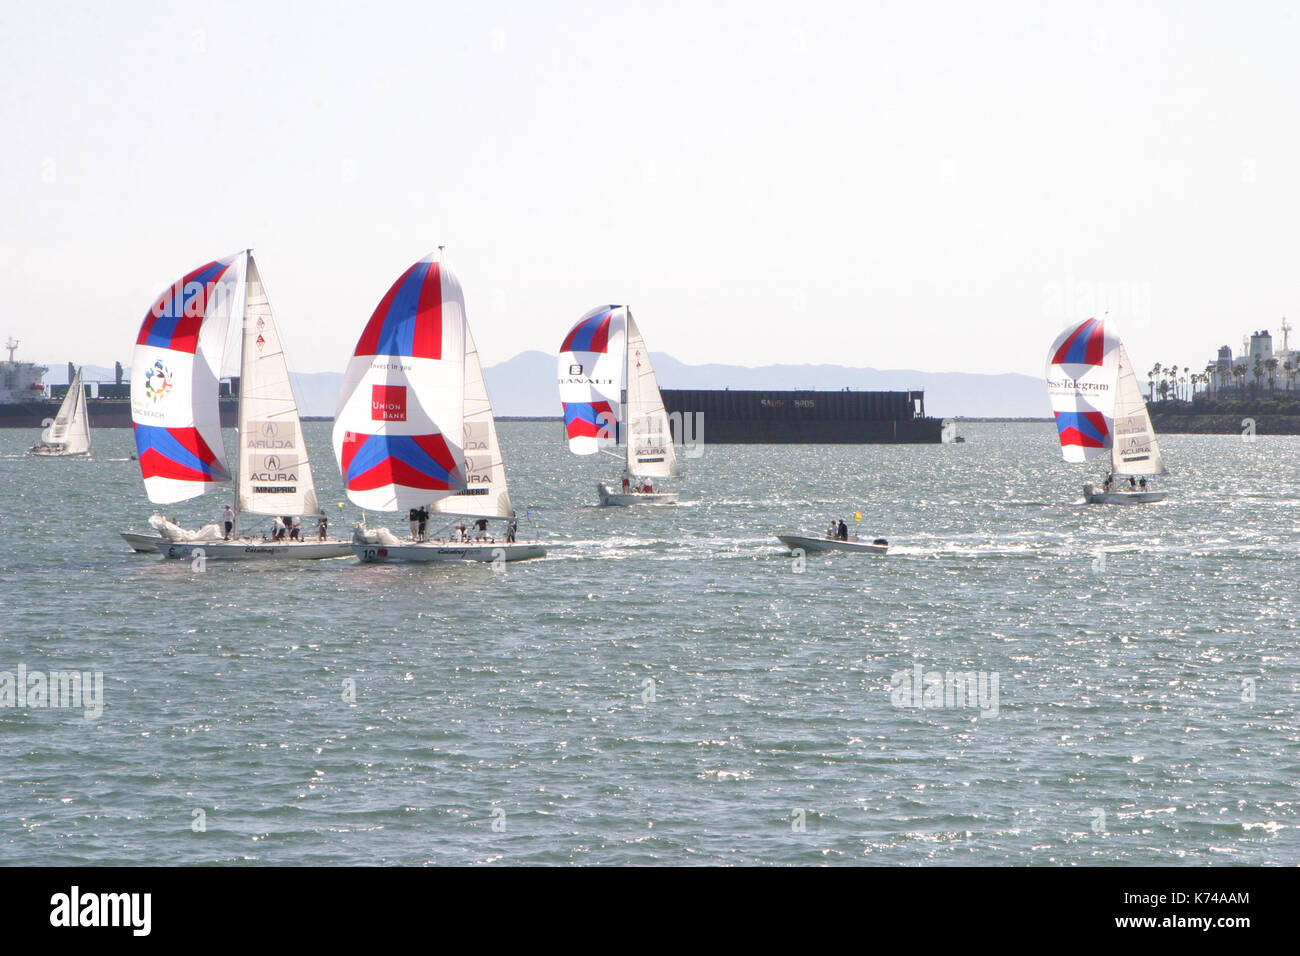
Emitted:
<point x="1100" y="411"/>
<point x="414" y="430"/>
<point x="609" y="393"/>
<point x="68" y="434"/>
<point x="174" y="405"/>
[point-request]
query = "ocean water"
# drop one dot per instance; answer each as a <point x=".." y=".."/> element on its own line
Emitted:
<point x="669" y="685"/>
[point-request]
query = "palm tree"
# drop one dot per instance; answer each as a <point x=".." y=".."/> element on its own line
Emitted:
<point x="1272" y="373"/>
<point x="1151" y="381"/>
<point x="1239" y="373"/>
<point x="1209" y="375"/>
<point x="1258" y="372"/>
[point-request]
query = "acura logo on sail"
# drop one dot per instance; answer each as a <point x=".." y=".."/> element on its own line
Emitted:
<point x="274" y="470"/>
<point x="270" y="432"/>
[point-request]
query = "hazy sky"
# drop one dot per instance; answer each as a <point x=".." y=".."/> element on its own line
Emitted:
<point x="901" y="185"/>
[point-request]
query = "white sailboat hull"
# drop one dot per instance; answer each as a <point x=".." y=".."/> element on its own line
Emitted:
<point x="249" y="549"/>
<point x="55" y="451"/>
<point x="430" y="552"/>
<point x="143" y="542"/>
<point x="610" y="497"/>
<point x="800" y="542"/>
<point x="1095" y="497"/>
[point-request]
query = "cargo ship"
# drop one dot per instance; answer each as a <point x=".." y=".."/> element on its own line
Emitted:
<point x="27" y="402"/>
<point x="737" y="416"/>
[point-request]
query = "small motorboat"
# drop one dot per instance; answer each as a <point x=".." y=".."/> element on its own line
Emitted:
<point x="806" y="543"/>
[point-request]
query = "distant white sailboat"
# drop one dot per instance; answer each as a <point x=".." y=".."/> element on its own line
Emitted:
<point x="1100" y="410"/>
<point x="610" y="393"/>
<point x="68" y="434"/>
<point x="414" y="430"/>
<point x="174" y="403"/>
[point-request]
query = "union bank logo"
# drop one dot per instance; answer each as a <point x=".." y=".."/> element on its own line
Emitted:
<point x="388" y="403"/>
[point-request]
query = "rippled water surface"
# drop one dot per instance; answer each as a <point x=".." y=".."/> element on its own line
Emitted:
<point x="669" y="685"/>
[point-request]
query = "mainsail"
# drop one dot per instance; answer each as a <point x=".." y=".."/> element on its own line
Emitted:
<point x="1135" y="450"/>
<point x="174" y="386"/>
<point x="1081" y="375"/>
<point x="71" y="425"/>
<point x="650" y="449"/>
<point x="592" y="377"/>
<point x="400" y="419"/>
<point x="274" y="473"/>
<point x="486" y="494"/>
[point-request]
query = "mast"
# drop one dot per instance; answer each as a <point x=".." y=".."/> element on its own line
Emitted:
<point x="243" y="390"/>
<point x="628" y="372"/>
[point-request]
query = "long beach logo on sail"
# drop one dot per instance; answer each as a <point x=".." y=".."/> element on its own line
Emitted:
<point x="157" y="381"/>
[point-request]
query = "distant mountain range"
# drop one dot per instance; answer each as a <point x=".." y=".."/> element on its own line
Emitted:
<point x="525" y="385"/>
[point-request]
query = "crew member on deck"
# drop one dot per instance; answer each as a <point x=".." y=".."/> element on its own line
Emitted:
<point x="228" y="519"/>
